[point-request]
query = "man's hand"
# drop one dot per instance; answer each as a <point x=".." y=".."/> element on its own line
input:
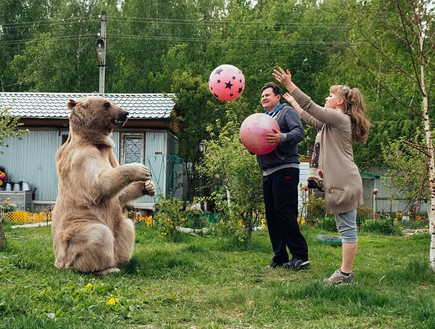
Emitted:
<point x="274" y="138"/>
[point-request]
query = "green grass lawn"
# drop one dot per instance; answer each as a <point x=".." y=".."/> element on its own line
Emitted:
<point x="201" y="282"/>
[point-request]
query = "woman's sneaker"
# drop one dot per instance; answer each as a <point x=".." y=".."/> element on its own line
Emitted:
<point x="338" y="278"/>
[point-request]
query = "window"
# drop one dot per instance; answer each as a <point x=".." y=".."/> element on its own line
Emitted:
<point x="132" y="148"/>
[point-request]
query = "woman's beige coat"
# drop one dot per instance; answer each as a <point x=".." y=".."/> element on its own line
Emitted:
<point x="342" y="181"/>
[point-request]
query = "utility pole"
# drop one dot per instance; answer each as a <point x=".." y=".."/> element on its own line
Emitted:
<point x="101" y="52"/>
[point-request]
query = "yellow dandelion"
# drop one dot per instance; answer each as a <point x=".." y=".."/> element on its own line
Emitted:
<point x="149" y="221"/>
<point x="301" y="220"/>
<point x="88" y="286"/>
<point x="112" y="301"/>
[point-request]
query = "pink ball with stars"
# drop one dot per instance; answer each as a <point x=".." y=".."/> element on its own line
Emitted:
<point x="226" y="82"/>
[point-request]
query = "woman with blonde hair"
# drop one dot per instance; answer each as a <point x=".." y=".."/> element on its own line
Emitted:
<point x="342" y="121"/>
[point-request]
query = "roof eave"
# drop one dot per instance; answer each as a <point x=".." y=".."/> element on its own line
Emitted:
<point x="163" y="123"/>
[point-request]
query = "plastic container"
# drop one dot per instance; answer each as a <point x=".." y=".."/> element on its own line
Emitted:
<point x="332" y="240"/>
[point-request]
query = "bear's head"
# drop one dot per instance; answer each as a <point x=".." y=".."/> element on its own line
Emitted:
<point x="95" y="116"/>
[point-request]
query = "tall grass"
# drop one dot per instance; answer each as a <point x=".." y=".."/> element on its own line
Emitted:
<point x="201" y="282"/>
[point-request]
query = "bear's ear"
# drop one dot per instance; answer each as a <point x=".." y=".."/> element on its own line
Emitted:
<point x="71" y="103"/>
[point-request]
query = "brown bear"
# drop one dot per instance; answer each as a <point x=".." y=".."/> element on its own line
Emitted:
<point x="90" y="233"/>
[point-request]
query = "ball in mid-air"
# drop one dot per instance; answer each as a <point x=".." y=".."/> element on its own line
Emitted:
<point x="226" y="82"/>
<point x="254" y="130"/>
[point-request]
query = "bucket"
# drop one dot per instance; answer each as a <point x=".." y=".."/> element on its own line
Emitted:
<point x="25" y="186"/>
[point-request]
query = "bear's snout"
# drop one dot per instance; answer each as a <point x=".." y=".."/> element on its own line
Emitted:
<point x="124" y="115"/>
<point x="121" y="118"/>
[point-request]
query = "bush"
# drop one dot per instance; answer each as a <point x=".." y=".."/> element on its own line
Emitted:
<point x="364" y="212"/>
<point x="168" y="216"/>
<point x="383" y="226"/>
<point x="328" y="224"/>
<point x="171" y="215"/>
<point x="231" y="236"/>
<point x="414" y="224"/>
<point x="195" y="219"/>
<point x="315" y="207"/>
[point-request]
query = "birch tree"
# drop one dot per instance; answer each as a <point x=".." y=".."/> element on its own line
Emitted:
<point x="401" y="40"/>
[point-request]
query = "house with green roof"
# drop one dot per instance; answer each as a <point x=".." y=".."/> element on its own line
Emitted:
<point x="149" y="137"/>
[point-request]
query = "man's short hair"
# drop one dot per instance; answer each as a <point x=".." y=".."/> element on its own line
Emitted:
<point x="272" y="85"/>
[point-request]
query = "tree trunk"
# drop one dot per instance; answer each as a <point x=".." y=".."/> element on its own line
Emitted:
<point x="430" y="148"/>
<point x="431" y="184"/>
<point x="431" y="228"/>
<point x="432" y="199"/>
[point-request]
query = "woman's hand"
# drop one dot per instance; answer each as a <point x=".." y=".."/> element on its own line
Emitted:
<point x="284" y="78"/>
<point x="289" y="98"/>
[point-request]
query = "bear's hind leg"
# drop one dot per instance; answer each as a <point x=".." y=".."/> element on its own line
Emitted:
<point x="124" y="241"/>
<point x="90" y="249"/>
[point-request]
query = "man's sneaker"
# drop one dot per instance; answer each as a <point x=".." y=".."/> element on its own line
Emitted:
<point x="338" y="278"/>
<point x="297" y="264"/>
<point x="275" y="264"/>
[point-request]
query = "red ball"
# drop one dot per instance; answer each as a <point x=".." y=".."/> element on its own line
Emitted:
<point x="226" y="82"/>
<point x="253" y="133"/>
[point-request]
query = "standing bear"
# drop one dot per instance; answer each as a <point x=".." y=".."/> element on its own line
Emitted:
<point x="89" y="231"/>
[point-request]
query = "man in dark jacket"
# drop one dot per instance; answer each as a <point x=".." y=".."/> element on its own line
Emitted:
<point x="280" y="182"/>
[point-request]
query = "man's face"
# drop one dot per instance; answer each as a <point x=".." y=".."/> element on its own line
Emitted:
<point x="269" y="100"/>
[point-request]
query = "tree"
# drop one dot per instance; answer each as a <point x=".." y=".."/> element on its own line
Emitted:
<point x="193" y="113"/>
<point x="396" y="46"/>
<point x="63" y="58"/>
<point x="234" y="175"/>
<point x="9" y="127"/>
<point x="143" y="35"/>
<point x="20" y="22"/>
<point x="401" y="157"/>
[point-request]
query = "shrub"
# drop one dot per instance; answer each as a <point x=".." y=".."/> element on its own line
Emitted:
<point x="383" y="226"/>
<point x="364" y="212"/>
<point x="414" y="224"/>
<point x="328" y="224"/>
<point x="195" y="219"/>
<point x="315" y="207"/>
<point x="168" y="216"/>
<point x="234" y="177"/>
<point x="171" y="215"/>
<point x="231" y="236"/>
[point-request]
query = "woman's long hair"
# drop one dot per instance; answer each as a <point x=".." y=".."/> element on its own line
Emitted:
<point x="356" y="109"/>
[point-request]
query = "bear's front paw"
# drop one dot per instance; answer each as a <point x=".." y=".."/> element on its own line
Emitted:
<point x="148" y="188"/>
<point x="141" y="172"/>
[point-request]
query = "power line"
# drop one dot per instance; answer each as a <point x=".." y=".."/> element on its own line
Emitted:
<point x="194" y="39"/>
<point x="167" y="21"/>
<point x="170" y="21"/>
<point x="223" y="22"/>
<point x="44" y="22"/>
<point x="114" y="37"/>
<point x="51" y="38"/>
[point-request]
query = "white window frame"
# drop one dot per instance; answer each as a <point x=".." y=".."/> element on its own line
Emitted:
<point x="132" y="135"/>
